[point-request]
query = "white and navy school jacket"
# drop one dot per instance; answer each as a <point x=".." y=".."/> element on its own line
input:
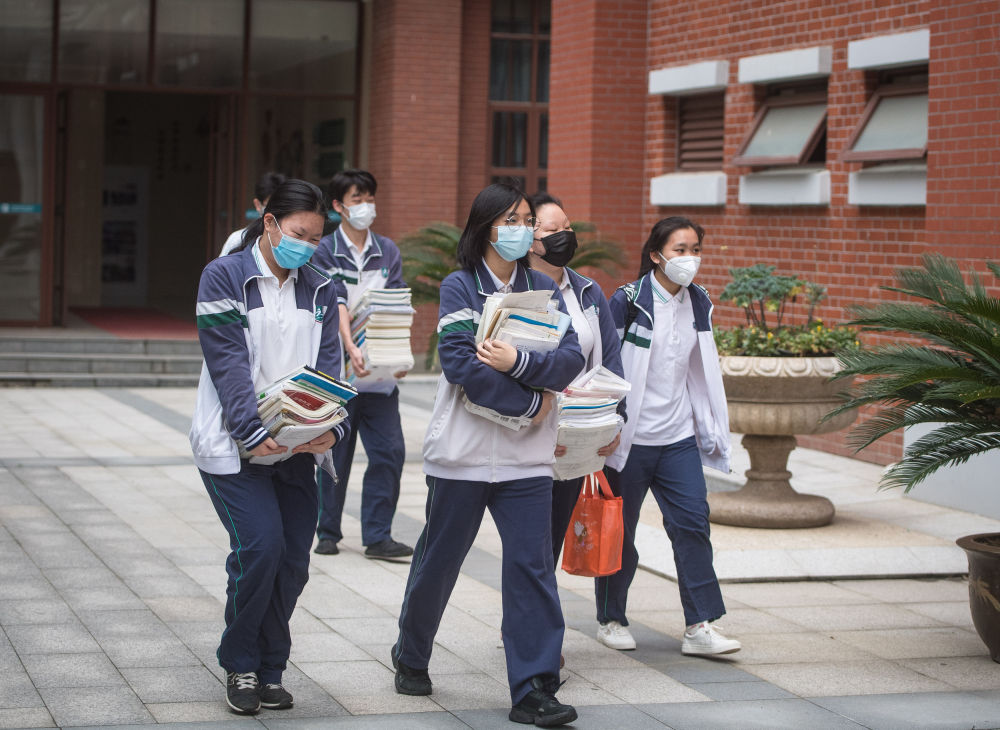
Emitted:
<point x="593" y="304"/>
<point x="229" y="310"/>
<point x="381" y="267"/>
<point x="463" y="446"/>
<point x="704" y="381"/>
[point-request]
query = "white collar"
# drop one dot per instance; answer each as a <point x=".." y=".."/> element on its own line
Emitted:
<point x="265" y="270"/>
<point x="497" y="283"/>
<point x="663" y="295"/>
<point x="350" y="243"/>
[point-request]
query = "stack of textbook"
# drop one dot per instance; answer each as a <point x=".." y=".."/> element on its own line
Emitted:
<point x="297" y="408"/>
<point x="529" y="321"/>
<point x="380" y="326"/>
<point x="588" y="420"/>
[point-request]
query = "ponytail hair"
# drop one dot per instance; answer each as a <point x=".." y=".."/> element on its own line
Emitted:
<point x="659" y="236"/>
<point x="292" y="196"/>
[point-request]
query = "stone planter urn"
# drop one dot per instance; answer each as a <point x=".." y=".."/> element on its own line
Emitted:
<point x="771" y="399"/>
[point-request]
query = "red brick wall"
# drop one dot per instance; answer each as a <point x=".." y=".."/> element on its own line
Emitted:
<point x="596" y="109"/>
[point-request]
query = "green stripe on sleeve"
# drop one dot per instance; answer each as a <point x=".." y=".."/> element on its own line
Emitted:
<point x="221" y="318"/>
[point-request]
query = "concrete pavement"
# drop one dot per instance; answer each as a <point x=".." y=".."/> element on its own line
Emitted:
<point x="111" y="567"/>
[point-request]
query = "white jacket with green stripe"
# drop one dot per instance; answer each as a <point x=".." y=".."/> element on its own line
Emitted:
<point x="704" y="380"/>
<point x="229" y="310"/>
<point x="463" y="446"/>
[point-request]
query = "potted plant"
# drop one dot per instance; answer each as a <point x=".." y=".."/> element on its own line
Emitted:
<point x="947" y="375"/>
<point x="429" y="256"/>
<point x="777" y="380"/>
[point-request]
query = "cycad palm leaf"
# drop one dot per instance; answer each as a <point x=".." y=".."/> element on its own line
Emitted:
<point x="950" y="445"/>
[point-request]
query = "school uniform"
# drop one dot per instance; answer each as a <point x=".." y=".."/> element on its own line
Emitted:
<point x="253" y="331"/>
<point x="473" y="464"/>
<point x="599" y="344"/>
<point x="677" y="421"/>
<point x="374" y="416"/>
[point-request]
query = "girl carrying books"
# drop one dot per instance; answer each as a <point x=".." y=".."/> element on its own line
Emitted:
<point x="677" y="421"/>
<point x="473" y="463"/>
<point x="263" y="311"/>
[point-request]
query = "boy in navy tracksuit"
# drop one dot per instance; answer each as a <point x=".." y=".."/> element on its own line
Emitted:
<point x="473" y="464"/>
<point x="361" y="260"/>
<point x="263" y="311"/>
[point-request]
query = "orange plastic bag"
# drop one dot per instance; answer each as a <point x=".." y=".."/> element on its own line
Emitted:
<point x="593" y="545"/>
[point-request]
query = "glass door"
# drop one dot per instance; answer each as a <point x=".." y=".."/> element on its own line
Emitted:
<point x="22" y="168"/>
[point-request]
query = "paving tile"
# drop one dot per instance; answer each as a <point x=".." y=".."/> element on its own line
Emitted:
<point x="872" y="676"/>
<point x="588" y="718"/>
<point x="72" y="670"/>
<point x="429" y="720"/>
<point x="951" y="613"/>
<point x="173" y="684"/>
<point x="747" y="714"/>
<point x="94" y="577"/>
<point x="94" y="706"/>
<point x="28" y="587"/>
<point x="201" y="715"/>
<point x="965" y="673"/>
<point x="51" y="639"/>
<point x="641" y="685"/>
<point x="186" y="608"/>
<point x="929" y="710"/>
<point x="348" y="678"/>
<point x="35" y="611"/>
<point x="914" y="643"/>
<point x="141" y="652"/>
<point x="852" y="617"/>
<point x="741" y="691"/>
<point x="25" y="717"/>
<point x="178" y="585"/>
<point x="111" y="598"/>
<point x="17" y="691"/>
<point x="806" y="647"/>
<point x="326" y="647"/>
<point x="903" y="590"/>
<point x="386" y="702"/>
<point x="765" y="595"/>
<point x="472" y="691"/>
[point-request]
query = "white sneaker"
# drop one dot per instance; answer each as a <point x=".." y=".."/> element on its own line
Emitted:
<point x="703" y="639"/>
<point x="616" y="636"/>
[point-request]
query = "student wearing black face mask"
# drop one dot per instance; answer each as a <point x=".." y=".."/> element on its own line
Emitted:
<point x="551" y="251"/>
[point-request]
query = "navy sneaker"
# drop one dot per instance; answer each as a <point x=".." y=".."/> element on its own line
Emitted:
<point x="243" y="692"/>
<point x="540" y="706"/>
<point x="410" y="681"/>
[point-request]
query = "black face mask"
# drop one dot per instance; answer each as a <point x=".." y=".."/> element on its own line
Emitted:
<point x="559" y="247"/>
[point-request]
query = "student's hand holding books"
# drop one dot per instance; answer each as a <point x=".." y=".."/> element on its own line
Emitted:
<point x="357" y="360"/>
<point x="269" y="447"/>
<point x="548" y="398"/>
<point x="319" y="445"/>
<point x="498" y="355"/>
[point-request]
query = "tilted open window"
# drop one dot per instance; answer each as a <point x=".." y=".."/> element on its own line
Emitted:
<point x="893" y="125"/>
<point x="789" y="128"/>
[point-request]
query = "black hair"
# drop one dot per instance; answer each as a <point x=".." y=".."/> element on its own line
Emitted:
<point x="660" y="234"/>
<point x="292" y="196"/>
<point x="341" y="183"/>
<point x="491" y="202"/>
<point x="543" y="198"/>
<point x="267" y="184"/>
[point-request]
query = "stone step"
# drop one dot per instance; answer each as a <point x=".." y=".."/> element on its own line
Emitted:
<point x="98" y="380"/>
<point x="98" y="363"/>
<point x="98" y="344"/>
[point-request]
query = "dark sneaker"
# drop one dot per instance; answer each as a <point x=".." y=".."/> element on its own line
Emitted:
<point x="540" y="706"/>
<point x="243" y="692"/>
<point x="275" y="697"/>
<point x="326" y="547"/>
<point x="410" y="681"/>
<point x="389" y="550"/>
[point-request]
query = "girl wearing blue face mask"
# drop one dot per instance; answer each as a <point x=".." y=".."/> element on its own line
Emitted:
<point x="262" y="312"/>
<point x="473" y="464"/>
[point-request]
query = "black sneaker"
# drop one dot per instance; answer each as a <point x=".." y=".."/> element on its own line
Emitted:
<point x="275" y="697"/>
<point x="243" y="692"/>
<point x="410" y="681"/>
<point x="389" y="550"/>
<point x="326" y="547"/>
<point x="540" y="706"/>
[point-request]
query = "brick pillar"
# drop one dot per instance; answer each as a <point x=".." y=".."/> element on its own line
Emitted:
<point x="414" y="114"/>
<point x="597" y="110"/>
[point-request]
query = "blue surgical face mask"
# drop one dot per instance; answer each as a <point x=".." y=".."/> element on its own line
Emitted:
<point x="513" y="242"/>
<point x="291" y="253"/>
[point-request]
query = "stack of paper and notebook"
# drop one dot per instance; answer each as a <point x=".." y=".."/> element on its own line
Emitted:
<point x="297" y="408"/>
<point x="529" y="321"/>
<point x="588" y="420"/>
<point x="380" y="326"/>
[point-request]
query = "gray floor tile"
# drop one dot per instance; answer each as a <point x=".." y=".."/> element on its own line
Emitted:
<point x="94" y="577"/>
<point x="27" y="587"/>
<point x="72" y="670"/>
<point x="413" y="720"/>
<point x="926" y="710"/>
<point x="695" y="671"/>
<point x="595" y="717"/>
<point x="17" y="691"/>
<point x="94" y="706"/>
<point x="741" y="691"/>
<point x="51" y="639"/>
<point x="105" y="598"/>
<point x="173" y="684"/>
<point x="35" y="611"/>
<point x="746" y="715"/>
<point x="140" y="652"/>
<point x="25" y="717"/>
